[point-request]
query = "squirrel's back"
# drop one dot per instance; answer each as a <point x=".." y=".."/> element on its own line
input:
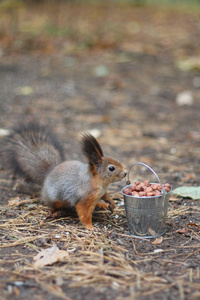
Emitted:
<point x="68" y="182"/>
<point x="31" y="151"/>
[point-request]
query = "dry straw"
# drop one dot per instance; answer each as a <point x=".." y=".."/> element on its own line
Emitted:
<point x="107" y="258"/>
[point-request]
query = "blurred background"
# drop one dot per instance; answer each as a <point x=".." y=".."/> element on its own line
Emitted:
<point x="127" y="71"/>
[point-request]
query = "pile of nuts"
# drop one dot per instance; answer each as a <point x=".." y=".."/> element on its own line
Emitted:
<point x="146" y="189"/>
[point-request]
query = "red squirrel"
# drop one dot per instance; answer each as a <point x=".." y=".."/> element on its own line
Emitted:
<point x="34" y="153"/>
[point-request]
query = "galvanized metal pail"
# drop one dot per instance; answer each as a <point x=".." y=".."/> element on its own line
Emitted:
<point x="146" y="216"/>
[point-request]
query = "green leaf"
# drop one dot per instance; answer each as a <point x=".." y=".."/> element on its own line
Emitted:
<point x="188" y="192"/>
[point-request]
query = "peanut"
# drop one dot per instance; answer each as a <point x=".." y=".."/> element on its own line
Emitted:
<point x="127" y="191"/>
<point x="136" y="195"/>
<point x="137" y="182"/>
<point x="133" y="187"/>
<point x="145" y="189"/>
<point x="149" y="189"/>
<point x="142" y="194"/>
<point x="138" y="188"/>
<point x="147" y="183"/>
<point x="150" y="194"/>
<point x="154" y="186"/>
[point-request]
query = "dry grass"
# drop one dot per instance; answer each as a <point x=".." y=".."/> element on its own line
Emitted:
<point x="108" y="257"/>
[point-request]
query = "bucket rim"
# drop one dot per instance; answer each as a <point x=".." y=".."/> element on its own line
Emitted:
<point x="148" y="236"/>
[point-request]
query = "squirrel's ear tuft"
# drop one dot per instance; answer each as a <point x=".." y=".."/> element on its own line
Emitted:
<point x="91" y="149"/>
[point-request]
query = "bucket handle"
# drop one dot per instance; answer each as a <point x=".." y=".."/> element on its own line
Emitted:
<point x="141" y="163"/>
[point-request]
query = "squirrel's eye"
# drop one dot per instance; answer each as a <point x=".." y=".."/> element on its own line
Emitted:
<point x="111" y="168"/>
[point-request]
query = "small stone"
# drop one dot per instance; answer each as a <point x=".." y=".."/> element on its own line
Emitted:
<point x="158" y="250"/>
<point x="57" y="236"/>
<point x="184" y="98"/>
<point x="95" y="132"/>
<point x="101" y="71"/>
<point x="4" y="132"/>
<point x="196" y="82"/>
<point x="120" y="242"/>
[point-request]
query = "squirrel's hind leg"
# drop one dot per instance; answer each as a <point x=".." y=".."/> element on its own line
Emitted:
<point x="57" y="214"/>
<point x="59" y="210"/>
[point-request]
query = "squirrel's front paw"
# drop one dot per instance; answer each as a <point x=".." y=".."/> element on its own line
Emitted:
<point x="102" y="205"/>
<point x="109" y="201"/>
<point x="111" y="204"/>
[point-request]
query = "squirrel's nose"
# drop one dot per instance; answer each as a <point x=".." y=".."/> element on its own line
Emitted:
<point x="125" y="173"/>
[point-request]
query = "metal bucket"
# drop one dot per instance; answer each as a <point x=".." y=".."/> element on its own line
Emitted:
<point x="146" y="216"/>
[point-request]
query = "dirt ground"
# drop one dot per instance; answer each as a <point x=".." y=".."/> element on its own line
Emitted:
<point x="125" y="93"/>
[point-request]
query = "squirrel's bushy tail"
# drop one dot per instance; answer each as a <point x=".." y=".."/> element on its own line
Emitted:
<point x="32" y="151"/>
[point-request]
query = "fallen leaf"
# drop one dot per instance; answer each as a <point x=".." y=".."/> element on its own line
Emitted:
<point x="188" y="192"/>
<point x="158" y="240"/>
<point x="14" y="201"/>
<point x="189" y="64"/>
<point x="49" y="256"/>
